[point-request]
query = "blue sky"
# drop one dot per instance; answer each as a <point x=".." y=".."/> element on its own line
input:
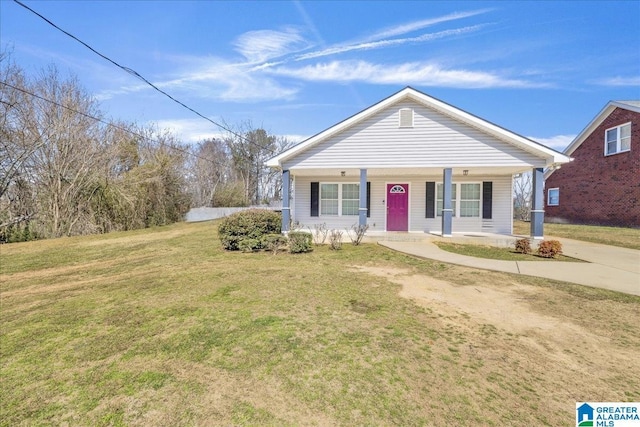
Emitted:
<point x="541" y="69"/>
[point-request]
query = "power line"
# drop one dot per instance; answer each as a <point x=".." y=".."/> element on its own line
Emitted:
<point x="140" y="77"/>
<point x="189" y="153"/>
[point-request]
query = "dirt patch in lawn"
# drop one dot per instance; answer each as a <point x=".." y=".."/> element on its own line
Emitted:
<point x="500" y="324"/>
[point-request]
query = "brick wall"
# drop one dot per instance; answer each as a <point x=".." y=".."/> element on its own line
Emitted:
<point x="599" y="189"/>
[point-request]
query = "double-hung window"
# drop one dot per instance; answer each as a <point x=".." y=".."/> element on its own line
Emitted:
<point x="339" y="199"/>
<point x="470" y="200"/>
<point x="465" y="200"/>
<point x="553" y="197"/>
<point x="440" y="198"/>
<point x="617" y="139"/>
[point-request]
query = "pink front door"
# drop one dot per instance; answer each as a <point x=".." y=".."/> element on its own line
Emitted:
<point x="397" y="207"/>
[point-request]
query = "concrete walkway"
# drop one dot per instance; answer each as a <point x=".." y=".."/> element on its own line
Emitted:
<point x="607" y="267"/>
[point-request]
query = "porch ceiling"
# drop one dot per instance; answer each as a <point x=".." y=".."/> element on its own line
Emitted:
<point x="457" y="171"/>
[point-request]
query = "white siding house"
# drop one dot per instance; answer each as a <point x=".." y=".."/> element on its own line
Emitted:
<point x="390" y="167"/>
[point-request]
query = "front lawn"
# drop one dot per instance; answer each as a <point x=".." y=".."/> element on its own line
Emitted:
<point x="492" y="252"/>
<point x="161" y="327"/>
<point x="615" y="236"/>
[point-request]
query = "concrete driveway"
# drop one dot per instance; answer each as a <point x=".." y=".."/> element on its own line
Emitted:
<point x="607" y="267"/>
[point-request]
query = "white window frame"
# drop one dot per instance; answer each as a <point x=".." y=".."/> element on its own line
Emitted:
<point x="479" y="199"/>
<point x="340" y="199"/>
<point x="618" y="130"/>
<point x="557" y="203"/>
<point x="456" y="202"/>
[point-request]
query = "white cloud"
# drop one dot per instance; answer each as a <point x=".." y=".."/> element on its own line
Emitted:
<point x="215" y="78"/>
<point x="386" y="43"/>
<point x="262" y="45"/>
<point x="294" y="139"/>
<point x="558" y="142"/>
<point x="418" y="25"/>
<point x="196" y="130"/>
<point x="620" y="81"/>
<point x="417" y="73"/>
<point x="190" y="130"/>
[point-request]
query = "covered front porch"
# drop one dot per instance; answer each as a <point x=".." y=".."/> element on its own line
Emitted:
<point x="447" y="202"/>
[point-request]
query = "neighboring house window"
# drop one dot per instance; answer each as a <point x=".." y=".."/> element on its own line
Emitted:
<point x="617" y="139"/>
<point x="553" y="197"/>
<point x="339" y="199"/>
<point x="465" y="201"/>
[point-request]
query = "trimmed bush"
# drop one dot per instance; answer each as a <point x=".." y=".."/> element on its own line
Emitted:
<point x="274" y="242"/>
<point x="299" y="242"/>
<point x="549" y="248"/>
<point x="249" y="245"/>
<point x="523" y="246"/>
<point x="250" y="224"/>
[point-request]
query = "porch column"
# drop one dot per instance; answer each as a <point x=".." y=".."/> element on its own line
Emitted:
<point x="447" y="211"/>
<point x="362" y="210"/>
<point x="537" y="204"/>
<point x="286" y="210"/>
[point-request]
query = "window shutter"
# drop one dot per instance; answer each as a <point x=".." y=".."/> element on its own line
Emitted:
<point x="368" y="199"/>
<point x="315" y="198"/>
<point x="431" y="200"/>
<point x="487" y="199"/>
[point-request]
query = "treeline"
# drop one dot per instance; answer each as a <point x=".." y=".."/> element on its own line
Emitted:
<point x="64" y="173"/>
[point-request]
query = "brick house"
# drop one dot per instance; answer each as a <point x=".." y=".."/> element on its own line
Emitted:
<point x="602" y="183"/>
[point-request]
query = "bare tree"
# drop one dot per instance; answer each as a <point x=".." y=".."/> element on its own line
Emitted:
<point x="250" y="148"/>
<point x="16" y="145"/>
<point x="272" y="182"/>
<point x="69" y="152"/>
<point x="522" y="190"/>
<point x="209" y="169"/>
<point x="67" y="173"/>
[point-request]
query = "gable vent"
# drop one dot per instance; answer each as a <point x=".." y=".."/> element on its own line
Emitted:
<point x="406" y="118"/>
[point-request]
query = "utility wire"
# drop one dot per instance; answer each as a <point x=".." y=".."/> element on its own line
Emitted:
<point x="187" y="152"/>
<point x="140" y="77"/>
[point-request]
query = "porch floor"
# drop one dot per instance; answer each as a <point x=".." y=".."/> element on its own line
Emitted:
<point x="476" y="238"/>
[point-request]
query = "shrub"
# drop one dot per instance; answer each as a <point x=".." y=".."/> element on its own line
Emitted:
<point x="249" y="224"/>
<point x="320" y="232"/>
<point x="299" y="242"/>
<point x="549" y="248"/>
<point x="249" y="245"/>
<point x="358" y="233"/>
<point x="335" y="240"/>
<point x="523" y="246"/>
<point x="274" y="242"/>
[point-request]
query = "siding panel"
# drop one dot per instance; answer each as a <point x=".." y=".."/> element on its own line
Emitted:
<point x="500" y="223"/>
<point x="436" y="140"/>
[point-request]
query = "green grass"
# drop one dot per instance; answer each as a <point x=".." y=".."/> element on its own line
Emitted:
<point x="492" y="252"/>
<point x="162" y="327"/>
<point x="615" y="236"/>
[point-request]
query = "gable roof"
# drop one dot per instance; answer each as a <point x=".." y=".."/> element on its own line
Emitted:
<point x="409" y="93"/>
<point x="603" y="114"/>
